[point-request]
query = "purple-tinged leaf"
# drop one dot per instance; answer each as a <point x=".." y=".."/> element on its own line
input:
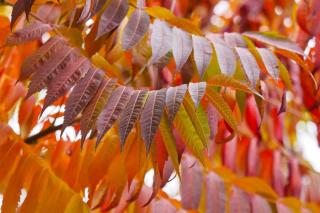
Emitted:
<point x="27" y="6"/>
<point x="85" y="13"/>
<point x="283" y="105"/>
<point x="197" y="91"/>
<point x="93" y="109"/>
<point x="112" y="16"/>
<point x="32" y="63"/>
<point x="249" y="64"/>
<point x="239" y="201"/>
<point x="174" y="98"/>
<point x="151" y="115"/>
<point x="81" y="94"/>
<point x="161" y="40"/>
<point x="234" y="40"/>
<point x="260" y="205"/>
<point x="270" y="61"/>
<point x="136" y="28"/>
<point x="17" y="11"/>
<point x="96" y="6"/>
<point x="213" y="119"/>
<point x="131" y="113"/>
<point x="49" y="70"/>
<point x="113" y="109"/>
<point x="225" y="55"/>
<point x="29" y="33"/>
<point x="215" y="193"/>
<point x="66" y="79"/>
<point x="181" y="47"/>
<point x="278" y="42"/>
<point x="202" y="51"/>
<point x="191" y="182"/>
<point x="18" y="8"/>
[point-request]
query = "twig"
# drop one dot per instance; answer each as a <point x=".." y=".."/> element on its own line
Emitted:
<point x="32" y="139"/>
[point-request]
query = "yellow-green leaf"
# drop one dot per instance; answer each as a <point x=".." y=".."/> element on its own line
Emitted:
<point x="221" y="105"/>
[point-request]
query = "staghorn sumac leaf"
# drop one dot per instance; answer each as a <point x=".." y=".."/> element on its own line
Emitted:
<point x="223" y="108"/>
<point x="32" y="63"/>
<point x="234" y="40"/>
<point x="151" y="115"/>
<point x="18" y="8"/>
<point x="69" y="76"/>
<point x="257" y="186"/>
<point x="191" y="182"/>
<point x="249" y="65"/>
<point x="181" y="47"/>
<point x="161" y="38"/>
<point x="197" y="91"/>
<point x="216" y="194"/>
<point x="112" y="16"/>
<point x="239" y="201"/>
<point x="278" y="42"/>
<point x="169" y="142"/>
<point x="199" y="120"/>
<point x="27" y="6"/>
<point x="259" y="204"/>
<point x="49" y="70"/>
<point x="174" y="98"/>
<point x="225" y="55"/>
<point x="86" y="11"/>
<point x="29" y="33"/>
<point x="188" y="133"/>
<point x="91" y="112"/>
<point x="270" y="61"/>
<point x="227" y="81"/>
<point x="81" y="94"/>
<point x="130" y="114"/>
<point x="202" y="51"/>
<point x="135" y="29"/>
<point x="113" y="109"/>
<point x="283" y="106"/>
<point x="17" y="11"/>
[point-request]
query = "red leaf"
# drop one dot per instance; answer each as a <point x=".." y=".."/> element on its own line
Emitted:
<point x="215" y="193"/>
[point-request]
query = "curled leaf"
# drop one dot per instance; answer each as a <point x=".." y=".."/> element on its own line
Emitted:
<point x="278" y="42"/>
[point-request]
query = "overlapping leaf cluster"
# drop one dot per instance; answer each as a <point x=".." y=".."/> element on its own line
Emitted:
<point x="78" y="63"/>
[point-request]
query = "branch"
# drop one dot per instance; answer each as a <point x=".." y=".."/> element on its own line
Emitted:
<point x="33" y="139"/>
